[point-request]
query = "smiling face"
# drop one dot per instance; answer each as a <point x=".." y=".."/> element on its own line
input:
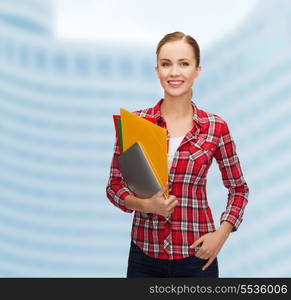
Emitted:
<point x="176" y="68"/>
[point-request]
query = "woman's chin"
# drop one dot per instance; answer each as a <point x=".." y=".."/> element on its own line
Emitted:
<point x="177" y="93"/>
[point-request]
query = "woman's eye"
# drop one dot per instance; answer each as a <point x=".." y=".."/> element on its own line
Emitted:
<point x="167" y="64"/>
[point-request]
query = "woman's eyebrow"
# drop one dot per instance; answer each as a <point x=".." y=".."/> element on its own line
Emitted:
<point x="178" y="59"/>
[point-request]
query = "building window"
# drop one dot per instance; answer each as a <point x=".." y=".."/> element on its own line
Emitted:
<point x="82" y="64"/>
<point x="104" y="66"/>
<point x="126" y="67"/>
<point x="40" y="59"/>
<point x="60" y="62"/>
<point x="23" y="54"/>
<point x="147" y="69"/>
<point x="9" y="50"/>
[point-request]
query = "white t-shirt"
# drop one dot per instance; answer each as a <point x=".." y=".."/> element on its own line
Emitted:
<point x="174" y="143"/>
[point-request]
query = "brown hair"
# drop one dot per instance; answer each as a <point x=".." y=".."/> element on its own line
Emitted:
<point x="177" y="36"/>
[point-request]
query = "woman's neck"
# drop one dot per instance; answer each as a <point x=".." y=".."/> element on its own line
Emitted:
<point x="175" y="109"/>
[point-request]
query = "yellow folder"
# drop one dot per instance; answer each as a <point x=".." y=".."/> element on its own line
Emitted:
<point x="153" y="139"/>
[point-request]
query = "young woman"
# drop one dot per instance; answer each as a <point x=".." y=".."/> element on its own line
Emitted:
<point x="186" y="244"/>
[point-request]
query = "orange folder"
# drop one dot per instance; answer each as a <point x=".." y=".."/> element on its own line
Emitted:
<point x="153" y="139"/>
<point x="118" y="129"/>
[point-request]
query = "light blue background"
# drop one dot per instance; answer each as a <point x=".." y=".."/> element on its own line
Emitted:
<point x="57" y="99"/>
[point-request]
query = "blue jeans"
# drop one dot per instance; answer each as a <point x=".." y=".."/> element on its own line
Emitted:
<point x="142" y="265"/>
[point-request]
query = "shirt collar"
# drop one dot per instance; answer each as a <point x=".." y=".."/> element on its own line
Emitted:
<point x="157" y="112"/>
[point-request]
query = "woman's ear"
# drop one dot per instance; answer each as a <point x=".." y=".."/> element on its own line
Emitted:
<point x="198" y="70"/>
<point x="157" y="70"/>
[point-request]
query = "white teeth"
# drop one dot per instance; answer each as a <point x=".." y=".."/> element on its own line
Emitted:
<point x="175" y="82"/>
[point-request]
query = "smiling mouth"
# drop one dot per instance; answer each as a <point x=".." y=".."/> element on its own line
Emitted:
<point x="175" y="83"/>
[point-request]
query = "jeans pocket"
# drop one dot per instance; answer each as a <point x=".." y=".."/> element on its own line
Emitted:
<point x="135" y="252"/>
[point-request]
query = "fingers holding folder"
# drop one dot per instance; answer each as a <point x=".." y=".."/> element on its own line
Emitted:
<point x="161" y="205"/>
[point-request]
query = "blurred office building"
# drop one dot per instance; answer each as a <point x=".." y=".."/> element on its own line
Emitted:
<point x="57" y="99"/>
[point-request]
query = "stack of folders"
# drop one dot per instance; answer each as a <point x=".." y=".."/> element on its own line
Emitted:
<point x="143" y="158"/>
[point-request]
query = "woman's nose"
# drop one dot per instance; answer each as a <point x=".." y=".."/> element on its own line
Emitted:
<point x="175" y="70"/>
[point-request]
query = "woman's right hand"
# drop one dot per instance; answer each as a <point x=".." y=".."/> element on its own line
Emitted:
<point x="157" y="204"/>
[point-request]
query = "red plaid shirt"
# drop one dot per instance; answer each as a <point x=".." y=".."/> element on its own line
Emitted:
<point x="192" y="218"/>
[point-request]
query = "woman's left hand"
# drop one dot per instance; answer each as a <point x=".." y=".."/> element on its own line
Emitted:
<point x="212" y="242"/>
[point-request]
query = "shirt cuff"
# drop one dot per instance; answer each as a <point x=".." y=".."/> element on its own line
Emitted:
<point x="119" y="197"/>
<point x="235" y="221"/>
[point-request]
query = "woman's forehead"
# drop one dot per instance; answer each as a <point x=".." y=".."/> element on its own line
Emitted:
<point x="176" y="51"/>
